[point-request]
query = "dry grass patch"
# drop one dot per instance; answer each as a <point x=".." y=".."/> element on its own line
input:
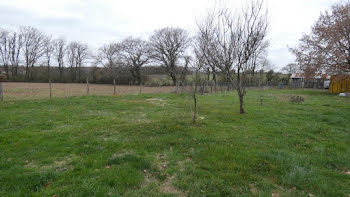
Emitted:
<point x="19" y="91"/>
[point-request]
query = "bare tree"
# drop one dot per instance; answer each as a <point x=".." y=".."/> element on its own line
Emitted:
<point x="48" y="53"/>
<point x="33" y="48"/>
<point x="135" y="54"/>
<point x="77" y="54"/>
<point x="290" y="69"/>
<point x="168" y="45"/>
<point x="184" y="70"/>
<point x="71" y="51"/>
<point x="233" y="42"/>
<point x="108" y="57"/>
<point x="82" y="55"/>
<point x="327" y="48"/>
<point x="59" y="53"/>
<point x="15" y="47"/>
<point x="5" y="51"/>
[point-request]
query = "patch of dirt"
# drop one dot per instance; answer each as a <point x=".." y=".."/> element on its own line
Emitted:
<point x="148" y="179"/>
<point x="253" y="189"/>
<point x="348" y="172"/>
<point x="165" y="186"/>
<point x="17" y="90"/>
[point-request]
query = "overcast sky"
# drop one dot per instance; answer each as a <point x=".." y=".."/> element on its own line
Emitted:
<point x="99" y="21"/>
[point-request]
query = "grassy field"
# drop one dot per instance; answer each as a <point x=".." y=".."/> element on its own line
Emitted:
<point x="137" y="145"/>
<point x="20" y="91"/>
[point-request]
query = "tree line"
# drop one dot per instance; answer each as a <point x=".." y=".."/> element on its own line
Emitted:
<point x="29" y="48"/>
<point x="229" y="44"/>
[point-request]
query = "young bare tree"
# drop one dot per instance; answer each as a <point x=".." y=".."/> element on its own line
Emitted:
<point x="234" y="40"/>
<point x="168" y="45"/>
<point x="33" y="48"/>
<point x="327" y="48"/>
<point x="59" y="54"/>
<point x="196" y="64"/>
<point x="135" y="53"/>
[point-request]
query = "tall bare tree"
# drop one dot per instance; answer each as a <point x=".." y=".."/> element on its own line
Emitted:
<point x="290" y="69"/>
<point x="108" y="57"/>
<point x="48" y="53"/>
<point x="327" y="48"/>
<point x="135" y="54"/>
<point x="15" y="47"/>
<point x="71" y="51"/>
<point x="168" y="45"/>
<point x="82" y="55"/>
<point x="33" y="48"/>
<point x="59" y="53"/>
<point x="77" y="54"/>
<point x="234" y="40"/>
<point x="5" y="51"/>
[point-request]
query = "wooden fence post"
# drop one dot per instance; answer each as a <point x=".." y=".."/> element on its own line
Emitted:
<point x="87" y="86"/>
<point x="1" y="92"/>
<point x="114" y="87"/>
<point x="140" y="88"/>
<point x="50" y="89"/>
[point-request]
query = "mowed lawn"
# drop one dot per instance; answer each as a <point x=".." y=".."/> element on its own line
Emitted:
<point x="145" y="145"/>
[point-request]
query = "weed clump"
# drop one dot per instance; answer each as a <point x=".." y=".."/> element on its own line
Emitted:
<point x="296" y="99"/>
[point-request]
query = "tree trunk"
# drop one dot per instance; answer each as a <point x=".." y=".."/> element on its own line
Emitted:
<point x="241" y="108"/>
<point x="27" y="72"/>
<point x="194" y="108"/>
<point x="48" y="70"/>
<point x="61" y="72"/>
<point x="174" y="79"/>
<point x="114" y="87"/>
<point x="215" y="82"/>
<point x="31" y="73"/>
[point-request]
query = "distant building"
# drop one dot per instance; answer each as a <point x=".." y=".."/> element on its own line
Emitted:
<point x="299" y="80"/>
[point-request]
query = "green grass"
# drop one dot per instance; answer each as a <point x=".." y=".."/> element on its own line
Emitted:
<point x="145" y="144"/>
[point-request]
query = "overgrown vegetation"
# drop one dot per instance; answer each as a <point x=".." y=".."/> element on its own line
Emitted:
<point x="146" y="145"/>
